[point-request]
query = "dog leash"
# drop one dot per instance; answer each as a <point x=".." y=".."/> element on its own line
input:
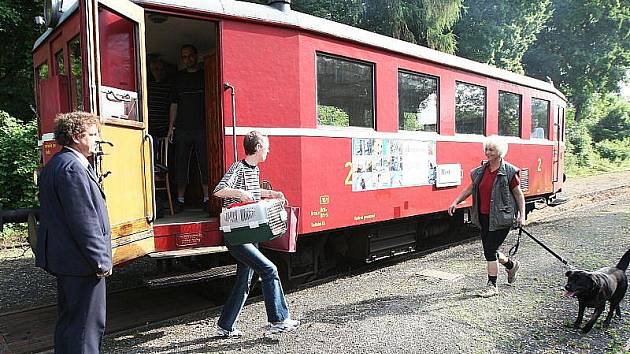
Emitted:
<point x="514" y="248"/>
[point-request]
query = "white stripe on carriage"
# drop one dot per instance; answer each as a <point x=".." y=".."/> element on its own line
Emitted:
<point x="331" y="132"/>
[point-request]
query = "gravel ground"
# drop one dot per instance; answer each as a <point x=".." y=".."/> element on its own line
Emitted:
<point x="395" y="309"/>
<point x="22" y="285"/>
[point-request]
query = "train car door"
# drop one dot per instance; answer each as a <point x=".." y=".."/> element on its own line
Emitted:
<point x="558" y="150"/>
<point x="114" y="37"/>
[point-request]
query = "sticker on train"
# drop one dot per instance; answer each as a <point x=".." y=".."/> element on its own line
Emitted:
<point x="391" y="163"/>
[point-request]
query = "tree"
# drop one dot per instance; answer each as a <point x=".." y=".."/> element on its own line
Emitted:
<point x="349" y="12"/>
<point x="585" y="49"/>
<point x="501" y="32"/>
<point x="425" y="22"/>
<point x="614" y="125"/>
<point x="19" y="158"/>
<point x="18" y="33"/>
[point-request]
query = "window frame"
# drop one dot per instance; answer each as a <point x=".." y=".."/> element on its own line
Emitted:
<point x="520" y="114"/>
<point x="485" y="108"/>
<point x="373" y="83"/>
<point x="74" y="103"/>
<point x="437" y="105"/>
<point x="547" y="119"/>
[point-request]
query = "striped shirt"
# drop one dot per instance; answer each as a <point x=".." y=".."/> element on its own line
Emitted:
<point x="241" y="175"/>
<point x="159" y="105"/>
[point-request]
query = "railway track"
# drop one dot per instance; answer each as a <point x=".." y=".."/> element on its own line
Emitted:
<point x="31" y="330"/>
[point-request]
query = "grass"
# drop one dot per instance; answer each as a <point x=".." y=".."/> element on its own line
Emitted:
<point x="13" y="235"/>
<point x="597" y="165"/>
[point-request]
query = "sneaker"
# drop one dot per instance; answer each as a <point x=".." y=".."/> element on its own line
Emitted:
<point x="287" y="325"/>
<point x="511" y="273"/>
<point x="224" y="333"/>
<point x="490" y="290"/>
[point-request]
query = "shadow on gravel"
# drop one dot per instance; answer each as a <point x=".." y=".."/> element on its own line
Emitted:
<point x="198" y="345"/>
<point x="385" y="306"/>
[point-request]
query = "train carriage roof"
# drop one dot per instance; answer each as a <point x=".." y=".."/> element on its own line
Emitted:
<point x="294" y="19"/>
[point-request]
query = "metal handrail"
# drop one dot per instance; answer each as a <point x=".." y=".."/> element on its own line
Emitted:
<point x="227" y="86"/>
<point x="148" y="137"/>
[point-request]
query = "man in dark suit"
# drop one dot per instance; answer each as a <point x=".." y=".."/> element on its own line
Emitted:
<point x="74" y="236"/>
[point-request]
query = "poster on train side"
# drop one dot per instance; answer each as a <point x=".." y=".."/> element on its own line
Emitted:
<point x="391" y="163"/>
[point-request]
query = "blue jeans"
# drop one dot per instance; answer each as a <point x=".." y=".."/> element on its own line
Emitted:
<point x="249" y="260"/>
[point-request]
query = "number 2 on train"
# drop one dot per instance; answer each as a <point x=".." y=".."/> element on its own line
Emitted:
<point x="348" y="181"/>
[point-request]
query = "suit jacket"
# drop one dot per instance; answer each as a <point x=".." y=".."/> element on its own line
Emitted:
<point x="74" y="235"/>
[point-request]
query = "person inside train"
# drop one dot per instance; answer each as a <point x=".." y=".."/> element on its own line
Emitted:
<point x="498" y="205"/>
<point x="159" y="86"/>
<point x="187" y="124"/>
<point x="241" y="183"/>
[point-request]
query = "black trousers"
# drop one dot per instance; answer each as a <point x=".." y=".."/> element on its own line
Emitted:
<point x="81" y="311"/>
<point x="491" y="240"/>
<point x="185" y="143"/>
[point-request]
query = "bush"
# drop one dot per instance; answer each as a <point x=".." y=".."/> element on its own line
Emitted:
<point x="579" y="145"/>
<point x="614" y="125"/>
<point x="19" y="158"/>
<point x="614" y="150"/>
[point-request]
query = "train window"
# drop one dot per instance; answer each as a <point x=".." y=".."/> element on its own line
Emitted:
<point x="59" y="63"/>
<point x="417" y="102"/>
<point x="76" y="73"/>
<point x="540" y="118"/>
<point x="470" y="108"/>
<point x="509" y="114"/>
<point x="344" y="92"/>
<point x="42" y="71"/>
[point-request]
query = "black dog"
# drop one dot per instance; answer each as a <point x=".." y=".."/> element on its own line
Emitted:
<point x="593" y="289"/>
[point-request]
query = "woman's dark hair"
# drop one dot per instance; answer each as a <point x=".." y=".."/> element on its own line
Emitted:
<point x="69" y="125"/>
<point x="251" y="141"/>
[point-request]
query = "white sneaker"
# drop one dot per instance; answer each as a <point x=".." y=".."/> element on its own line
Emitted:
<point x="511" y="273"/>
<point x="490" y="290"/>
<point x="224" y="333"/>
<point x="287" y="325"/>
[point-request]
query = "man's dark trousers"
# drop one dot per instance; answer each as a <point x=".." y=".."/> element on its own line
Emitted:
<point x="81" y="311"/>
<point x="74" y="245"/>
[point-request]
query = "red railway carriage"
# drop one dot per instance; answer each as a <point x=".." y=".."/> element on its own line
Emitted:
<point x="371" y="137"/>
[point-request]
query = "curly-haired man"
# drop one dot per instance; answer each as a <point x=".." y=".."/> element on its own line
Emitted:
<point x="74" y="236"/>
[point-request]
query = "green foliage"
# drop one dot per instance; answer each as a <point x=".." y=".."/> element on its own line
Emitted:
<point x="585" y="49"/>
<point x="580" y="144"/>
<point x="330" y="115"/>
<point x="349" y="12"/>
<point x="18" y="33"/>
<point x="425" y="22"/>
<point x="614" y="125"/>
<point x="410" y="122"/>
<point x="614" y="150"/>
<point x="19" y="158"/>
<point x="500" y="33"/>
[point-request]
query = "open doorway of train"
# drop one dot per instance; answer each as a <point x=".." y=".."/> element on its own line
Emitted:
<point x="183" y="79"/>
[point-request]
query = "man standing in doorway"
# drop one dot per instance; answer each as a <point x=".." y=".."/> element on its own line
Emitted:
<point x="74" y="236"/>
<point x="187" y="124"/>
